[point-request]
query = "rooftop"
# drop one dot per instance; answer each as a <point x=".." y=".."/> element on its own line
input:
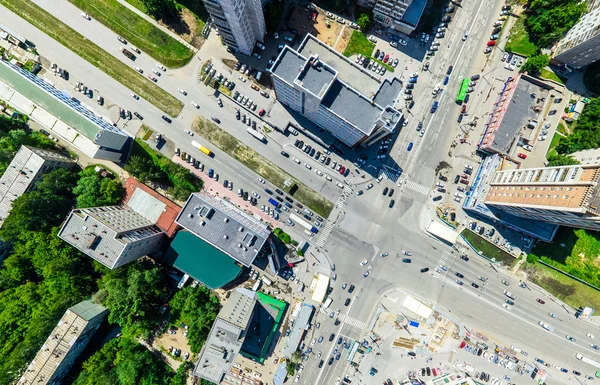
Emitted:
<point x="301" y="325"/>
<point x="348" y="72"/>
<point x="224" y="226"/>
<point x="413" y="12"/>
<point x="388" y="92"/>
<point x="316" y="77"/>
<point x="289" y="64"/>
<point x="353" y="107"/>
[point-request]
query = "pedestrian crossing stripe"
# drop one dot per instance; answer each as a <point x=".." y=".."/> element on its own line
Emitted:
<point x="414" y="186"/>
<point x="351" y="321"/>
<point x="391" y="174"/>
<point x="325" y="234"/>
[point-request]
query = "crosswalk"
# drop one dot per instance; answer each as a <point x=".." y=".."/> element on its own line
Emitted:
<point x="325" y="230"/>
<point x="415" y="186"/>
<point x="438" y="282"/>
<point x="345" y="194"/>
<point x="391" y="173"/>
<point x="351" y="321"/>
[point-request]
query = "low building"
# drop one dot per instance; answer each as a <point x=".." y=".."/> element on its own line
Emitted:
<point x="336" y="93"/>
<point x="63" y="346"/>
<point x="27" y="167"/>
<point x="63" y="115"/>
<point x="300" y="326"/>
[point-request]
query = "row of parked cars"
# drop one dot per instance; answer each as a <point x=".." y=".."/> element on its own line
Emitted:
<point x="322" y="157"/>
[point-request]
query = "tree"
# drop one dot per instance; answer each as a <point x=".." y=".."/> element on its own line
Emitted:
<point x="549" y="20"/>
<point x="161" y="9"/>
<point x="534" y="65"/>
<point x="364" y="21"/>
<point x="93" y="190"/>
<point x="561" y="160"/>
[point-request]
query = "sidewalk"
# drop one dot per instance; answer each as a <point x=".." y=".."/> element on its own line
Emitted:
<point x="162" y="28"/>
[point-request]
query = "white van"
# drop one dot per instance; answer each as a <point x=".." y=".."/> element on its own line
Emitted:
<point x="327" y="303"/>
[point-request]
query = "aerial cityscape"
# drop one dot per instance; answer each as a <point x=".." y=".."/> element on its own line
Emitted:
<point x="246" y="192"/>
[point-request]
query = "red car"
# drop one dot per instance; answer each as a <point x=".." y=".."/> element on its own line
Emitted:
<point x="261" y="112"/>
<point x="386" y="58"/>
<point x="152" y="78"/>
<point x="491" y="43"/>
<point x="521" y="155"/>
<point x="464" y="181"/>
<point x="541" y="301"/>
<point x="342" y="169"/>
<point x="463" y="110"/>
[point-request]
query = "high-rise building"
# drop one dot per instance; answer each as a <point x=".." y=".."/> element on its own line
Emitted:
<point x="565" y="195"/>
<point x="397" y="15"/>
<point x="581" y="45"/>
<point x="27" y="167"/>
<point x="241" y="23"/>
<point x="335" y="93"/>
<point x="63" y="346"/>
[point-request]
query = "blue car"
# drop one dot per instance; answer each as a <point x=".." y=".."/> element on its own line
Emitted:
<point x="412" y="80"/>
<point x="434" y="107"/>
<point x="211" y="172"/>
<point x="446" y="80"/>
<point x="410" y="145"/>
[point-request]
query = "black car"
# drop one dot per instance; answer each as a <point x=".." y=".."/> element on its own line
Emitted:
<point x="327" y="161"/>
<point x="225" y="182"/>
<point x="459" y="275"/>
<point x="449" y="70"/>
<point x="443" y="178"/>
<point x="392" y="202"/>
<point x="575" y="372"/>
<point x="508" y="301"/>
<point x="385" y="191"/>
<point x="437" y="198"/>
<point x="351" y="289"/>
<point x="279" y="199"/>
<point x="140" y="117"/>
<point x="475" y="77"/>
<point x="214" y="118"/>
<point x="391" y="192"/>
<point x="297" y="142"/>
<point x="424" y="270"/>
<point x="312" y="152"/>
<point x="166" y="119"/>
<point x="340" y="340"/>
<point x="376" y="53"/>
<point x="460" y="118"/>
<point x="330" y="361"/>
<point x="278" y="191"/>
<point x="452" y="216"/>
<point x="337" y="322"/>
<point x="285" y="154"/>
<point x="456" y="179"/>
<point x="428" y="371"/>
<point x="268" y="191"/>
<point x="412" y="354"/>
<point x="321" y="364"/>
<point x="331" y="337"/>
<point x="406" y="260"/>
<point x="464" y="258"/>
<point x="467" y="98"/>
<point x="318" y="155"/>
<point x="347" y="302"/>
<point x="476" y="286"/>
<point x="245" y="195"/>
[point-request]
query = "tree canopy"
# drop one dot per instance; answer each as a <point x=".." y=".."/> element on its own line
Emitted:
<point x="534" y="65"/>
<point x="561" y="160"/>
<point x="161" y="9"/>
<point x="548" y="20"/>
<point x="93" y="190"/>
<point x="586" y="134"/>
<point x="364" y="21"/>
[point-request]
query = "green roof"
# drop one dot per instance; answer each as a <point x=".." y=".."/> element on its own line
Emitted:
<point x="202" y="261"/>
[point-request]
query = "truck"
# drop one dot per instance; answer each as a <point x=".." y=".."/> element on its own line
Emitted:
<point x="202" y="148"/>
<point x="274" y="202"/>
<point x="546" y="326"/>
<point x="127" y="53"/>
<point x="587" y="360"/>
<point x="256" y="134"/>
<point x="309" y="227"/>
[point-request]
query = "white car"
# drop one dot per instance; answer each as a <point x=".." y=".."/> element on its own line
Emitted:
<point x="369" y="186"/>
<point x="296" y="160"/>
<point x="261" y="180"/>
<point x="328" y="178"/>
<point x="372" y="39"/>
<point x="135" y="96"/>
<point x="590" y="335"/>
<point x="255" y="195"/>
<point x="195" y="105"/>
<point x="182" y="91"/>
<point x="85" y="16"/>
<point x="414" y="75"/>
<point x="319" y="173"/>
<point x="394" y="44"/>
<point x="162" y="67"/>
<point x="243" y="79"/>
<point x="308" y="166"/>
<point x="156" y="72"/>
<point x="402" y="42"/>
<point x="364" y="262"/>
<point x="190" y="133"/>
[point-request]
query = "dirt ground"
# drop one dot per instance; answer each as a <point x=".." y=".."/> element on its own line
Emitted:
<point x="301" y="20"/>
<point x="176" y="340"/>
<point x="187" y="27"/>
<point x="341" y="46"/>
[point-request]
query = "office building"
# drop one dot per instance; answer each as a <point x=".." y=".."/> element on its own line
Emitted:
<point x="63" y="115"/>
<point x="396" y="15"/>
<point x="581" y="45"/>
<point x="63" y="346"/>
<point x="27" y="167"/>
<point x="241" y="23"/>
<point x="336" y="93"/>
<point x="565" y="195"/>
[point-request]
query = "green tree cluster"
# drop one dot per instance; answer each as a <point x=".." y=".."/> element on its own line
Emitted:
<point x="161" y="9"/>
<point x="364" y="21"/>
<point x="282" y="235"/>
<point x="13" y="134"/>
<point x="196" y="307"/>
<point x="93" y="190"/>
<point x="534" y="65"/>
<point x="548" y="20"/>
<point x="555" y="160"/>
<point x="586" y="134"/>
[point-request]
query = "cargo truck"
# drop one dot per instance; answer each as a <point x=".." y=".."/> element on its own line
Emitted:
<point x="202" y="148"/>
<point x="256" y="134"/>
<point x="127" y="53"/>
<point x="587" y="360"/>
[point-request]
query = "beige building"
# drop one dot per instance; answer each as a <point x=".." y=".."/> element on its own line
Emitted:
<point x="565" y="195"/>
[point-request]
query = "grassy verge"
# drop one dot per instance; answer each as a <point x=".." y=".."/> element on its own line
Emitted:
<point x="566" y="289"/>
<point x="562" y="129"/>
<point x="489" y="249"/>
<point x="137" y="30"/>
<point x="95" y="55"/>
<point x="550" y="75"/>
<point x="262" y="166"/>
<point x="518" y="41"/>
<point x="359" y="44"/>
<point x="591" y="78"/>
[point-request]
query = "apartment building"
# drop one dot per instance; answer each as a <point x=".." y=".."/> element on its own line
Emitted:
<point x="565" y="195"/>
<point x="335" y="93"/>
<point x="63" y="346"/>
<point x="27" y="167"/>
<point x="241" y="23"/>
<point x="396" y="15"/>
<point x="581" y="45"/>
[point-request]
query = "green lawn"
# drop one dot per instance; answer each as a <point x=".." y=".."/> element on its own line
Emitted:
<point x="262" y="166"/>
<point x="550" y="75"/>
<point x="591" y="77"/>
<point x="553" y="144"/>
<point x="518" y="41"/>
<point x="138" y="31"/>
<point x="359" y="44"/>
<point x="489" y="249"/>
<point x="95" y="55"/>
<point x="566" y="289"/>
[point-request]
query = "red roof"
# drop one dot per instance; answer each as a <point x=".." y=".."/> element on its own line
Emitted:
<point x="166" y="221"/>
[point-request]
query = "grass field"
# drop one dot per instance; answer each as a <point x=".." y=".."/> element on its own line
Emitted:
<point x="518" y="41"/>
<point x="555" y="139"/>
<point x="550" y="75"/>
<point x="566" y="289"/>
<point x="138" y="31"/>
<point x="262" y="166"/>
<point x="489" y="249"/>
<point x="359" y="44"/>
<point x="95" y="55"/>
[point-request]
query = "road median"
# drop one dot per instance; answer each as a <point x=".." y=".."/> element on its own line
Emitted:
<point x="262" y="166"/>
<point x="89" y="51"/>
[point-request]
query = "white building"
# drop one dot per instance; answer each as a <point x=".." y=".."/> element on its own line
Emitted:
<point x="241" y="23"/>
<point x="27" y="167"/>
<point x="581" y="45"/>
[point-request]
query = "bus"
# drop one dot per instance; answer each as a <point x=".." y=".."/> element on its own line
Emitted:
<point x="462" y="92"/>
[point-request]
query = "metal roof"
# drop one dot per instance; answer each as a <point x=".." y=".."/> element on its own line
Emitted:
<point x="301" y="325"/>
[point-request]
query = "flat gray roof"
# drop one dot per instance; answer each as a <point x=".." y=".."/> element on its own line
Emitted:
<point x="348" y="72"/>
<point x="316" y="77"/>
<point x="224" y="226"/>
<point x="350" y="106"/>
<point x="301" y="325"/>
<point x="146" y="205"/>
<point x="289" y="65"/>
<point x="413" y="12"/>
<point x="388" y="93"/>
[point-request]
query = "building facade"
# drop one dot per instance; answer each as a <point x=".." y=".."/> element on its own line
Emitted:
<point x="581" y="45"/>
<point x="396" y="15"/>
<point x="335" y="93"/>
<point x="27" y="167"/>
<point x="241" y="23"/>
<point x="112" y="235"/>
<point x="565" y="195"/>
<point x="63" y="346"/>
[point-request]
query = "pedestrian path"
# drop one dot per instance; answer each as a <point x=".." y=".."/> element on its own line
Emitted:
<point x="351" y="321"/>
<point x="415" y="186"/>
<point x="324" y="234"/>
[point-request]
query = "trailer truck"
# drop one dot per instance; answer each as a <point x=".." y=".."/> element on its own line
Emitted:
<point x="127" y="53"/>
<point x="256" y="134"/>
<point x="202" y="148"/>
<point x="587" y="360"/>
